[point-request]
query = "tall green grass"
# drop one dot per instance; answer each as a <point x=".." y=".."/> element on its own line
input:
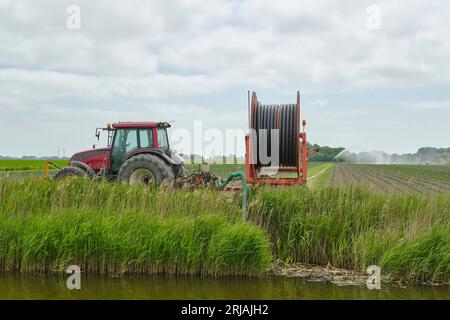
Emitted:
<point x="45" y="196"/>
<point x="117" y="228"/>
<point x="407" y="235"/>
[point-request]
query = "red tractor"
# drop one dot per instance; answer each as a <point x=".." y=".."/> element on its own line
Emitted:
<point x="137" y="153"/>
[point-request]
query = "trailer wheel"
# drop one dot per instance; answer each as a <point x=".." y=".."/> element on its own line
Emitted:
<point x="146" y="169"/>
<point x="69" y="171"/>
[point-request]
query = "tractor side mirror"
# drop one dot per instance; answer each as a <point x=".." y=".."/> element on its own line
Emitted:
<point x="97" y="133"/>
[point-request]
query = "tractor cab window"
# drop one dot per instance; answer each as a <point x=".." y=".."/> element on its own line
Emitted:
<point x="163" y="141"/>
<point x="125" y="140"/>
<point x="131" y="141"/>
<point x="146" y="138"/>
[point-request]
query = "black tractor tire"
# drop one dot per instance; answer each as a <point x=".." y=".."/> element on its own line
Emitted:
<point x="180" y="171"/>
<point x="69" y="171"/>
<point x="146" y="169"/>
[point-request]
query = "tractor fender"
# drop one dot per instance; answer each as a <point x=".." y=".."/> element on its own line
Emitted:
<point x="155" y="152"/>
<point x="83" y="166"/>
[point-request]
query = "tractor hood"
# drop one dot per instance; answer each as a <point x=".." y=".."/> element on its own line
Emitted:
<point x="85" y="155"/>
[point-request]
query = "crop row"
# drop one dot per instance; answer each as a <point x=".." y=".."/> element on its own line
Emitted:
<point x="387" y="178"/>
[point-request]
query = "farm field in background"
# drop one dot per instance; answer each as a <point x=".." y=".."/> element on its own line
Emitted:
<point x="38" y="165"/>
<point x="379" y="178"/>
<point x="26" y="165"/>
<point x="392" y="178"/>
<point x="19" y="169"/>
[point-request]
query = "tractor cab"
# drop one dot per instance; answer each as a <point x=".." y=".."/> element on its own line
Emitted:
<point x="127" y="139"/>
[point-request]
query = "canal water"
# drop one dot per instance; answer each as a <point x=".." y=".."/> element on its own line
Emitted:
<point x="53" y="286"/>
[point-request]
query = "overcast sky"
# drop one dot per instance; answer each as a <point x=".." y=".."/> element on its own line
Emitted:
<point x="363" y="87"/>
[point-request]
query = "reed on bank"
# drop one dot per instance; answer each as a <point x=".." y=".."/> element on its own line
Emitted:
<point x="408" y="236"/>
<point x="102" y="227"/>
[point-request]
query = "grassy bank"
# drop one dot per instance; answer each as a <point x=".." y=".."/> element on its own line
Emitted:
<point x="117" y="228"/>
<point x="408" y="236"/>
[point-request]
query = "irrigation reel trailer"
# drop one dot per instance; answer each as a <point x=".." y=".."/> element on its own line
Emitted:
<point x="274" y="134"/>
<point x="275" y="130"/>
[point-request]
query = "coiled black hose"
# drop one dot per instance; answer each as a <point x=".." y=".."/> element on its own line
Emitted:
<point x="282" y="117"/>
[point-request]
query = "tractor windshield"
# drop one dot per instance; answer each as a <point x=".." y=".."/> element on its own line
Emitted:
<point x="163" y="141"/>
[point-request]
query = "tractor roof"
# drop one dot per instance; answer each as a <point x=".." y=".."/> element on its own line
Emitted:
<point x="140" y="124"/>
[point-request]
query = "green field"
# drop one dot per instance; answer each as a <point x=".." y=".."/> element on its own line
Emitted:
<point x="35" y="168"/>
<point x="38" y="165"/>
<point x="25" y="165"/>
<point x="20" y="169"/>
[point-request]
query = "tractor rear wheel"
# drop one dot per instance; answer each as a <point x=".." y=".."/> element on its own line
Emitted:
<point x="69" y="171"/>
<point x="146" y="169"/>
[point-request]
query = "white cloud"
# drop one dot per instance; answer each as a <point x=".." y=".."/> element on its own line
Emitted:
<point x="319" y="102"/>
<point x="195" y="59"/>
<point x="427" y="105"/>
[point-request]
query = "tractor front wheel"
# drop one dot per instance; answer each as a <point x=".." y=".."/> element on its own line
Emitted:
<point x="180" y="171"/>
<point x="146" y="169"/>
<point x="69" y="171"/>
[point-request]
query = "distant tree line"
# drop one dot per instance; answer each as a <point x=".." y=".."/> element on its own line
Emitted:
<point x="325" y="154"/>
<point x="425" y="155"/>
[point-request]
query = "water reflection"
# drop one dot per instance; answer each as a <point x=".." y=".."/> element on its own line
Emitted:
<point x="53" y="286"/>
